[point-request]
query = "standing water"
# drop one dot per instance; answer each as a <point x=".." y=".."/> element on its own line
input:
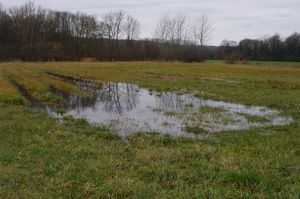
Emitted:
<point x="128" y="109"/>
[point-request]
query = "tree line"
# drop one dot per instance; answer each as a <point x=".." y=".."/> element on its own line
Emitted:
<point x="31" y="33"/>
<point x="269" y="48"/>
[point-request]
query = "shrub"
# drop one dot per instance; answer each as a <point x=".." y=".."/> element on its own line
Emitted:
<point x="231" y="58"/>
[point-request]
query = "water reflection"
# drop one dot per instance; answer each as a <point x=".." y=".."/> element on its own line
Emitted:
<point x="127" y="109"/>
<point x="171" y="101"/>
<point x="118" y="97"/>
<point x="115" y="97"/>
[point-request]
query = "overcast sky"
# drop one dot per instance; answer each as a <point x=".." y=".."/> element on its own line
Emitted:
<point x="232" y="19"/>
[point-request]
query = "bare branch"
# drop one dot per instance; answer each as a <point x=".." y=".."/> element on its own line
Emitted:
<point x="203" y="31"/>
<point x="131" y="28"/>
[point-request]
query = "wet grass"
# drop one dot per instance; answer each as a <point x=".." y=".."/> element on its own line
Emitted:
<point x="170" y="113"/>
<point x="255" y="118"/>
<point x="207" y="109"/>
<point x="194" y="130"/>
<point x="41" y="157"/>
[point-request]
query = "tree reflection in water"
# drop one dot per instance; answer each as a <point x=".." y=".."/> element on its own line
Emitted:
<point x="116" y="97"/>
<point x="170" y="101"/>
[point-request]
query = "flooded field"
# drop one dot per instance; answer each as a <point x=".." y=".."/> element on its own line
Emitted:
<point x="127" y="109"/>
<point x="236" y="113"/>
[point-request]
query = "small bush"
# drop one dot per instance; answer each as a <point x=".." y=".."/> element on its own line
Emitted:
<point x="231" y="58"/>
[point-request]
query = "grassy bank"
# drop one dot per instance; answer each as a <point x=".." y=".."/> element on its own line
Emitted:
<point x="41" y="158"/>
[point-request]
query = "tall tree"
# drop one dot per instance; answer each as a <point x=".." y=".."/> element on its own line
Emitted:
<point x="177" y="29"/>
<point x="162" y="31"/>
<point x="203" y="31"/>
<point x="131" y="28"/>
<point x="292" y="44"/>
<point x="114" y="22"/>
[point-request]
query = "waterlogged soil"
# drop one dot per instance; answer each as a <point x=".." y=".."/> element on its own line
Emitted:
<point x="127" y="109"/>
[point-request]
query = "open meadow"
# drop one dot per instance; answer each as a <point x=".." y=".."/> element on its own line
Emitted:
<point x="42" y="156"/>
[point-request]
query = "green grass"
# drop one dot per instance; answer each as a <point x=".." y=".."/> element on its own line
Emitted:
<point x="262" y="63"/>
<point x="255" y="118"/>
<point x="194" y="129"/>
<point x="207" y="109"/>
<point x="41" y="157"/>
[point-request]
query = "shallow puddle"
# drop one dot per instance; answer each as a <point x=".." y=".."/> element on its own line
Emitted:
<point x="127" y="109"/>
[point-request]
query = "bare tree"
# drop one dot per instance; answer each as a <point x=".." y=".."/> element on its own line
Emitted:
<point x="101" y="30"/>
<point x="84" y="28"/>
<point x="177" y="29"/>
<point x="188" y="35"/>
<point x="171" y="29"/>
<point x="131" y="28"/>
<point x="24" y="19"/>
<point x="163" y="27"/>
<point x="2" y="14"/>
<point x="229" y="43"/>
<point x="114" y="22"/>
<point x="203" y="31"/>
